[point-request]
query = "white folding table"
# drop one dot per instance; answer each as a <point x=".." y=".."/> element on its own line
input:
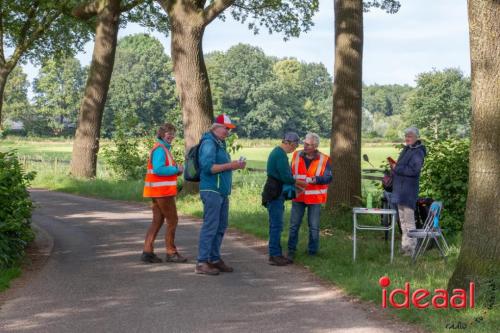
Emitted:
<point x="373" y="211"/>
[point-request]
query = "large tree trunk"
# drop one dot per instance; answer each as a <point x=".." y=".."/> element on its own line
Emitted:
<point x="86" y="145"/>
<point x="479" y="258"/>
<point x="187" y="28"/>
<point x="345" y="189"/>
<point x="4" y="75"/>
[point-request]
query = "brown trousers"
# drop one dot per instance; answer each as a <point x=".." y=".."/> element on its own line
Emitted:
<point x="163" y="208"/>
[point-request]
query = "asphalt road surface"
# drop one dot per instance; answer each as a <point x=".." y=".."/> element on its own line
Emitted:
<point x="93" y="281"/>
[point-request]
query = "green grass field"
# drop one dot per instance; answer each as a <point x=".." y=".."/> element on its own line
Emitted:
<point x="48" y="150"/>
<point x="334" y="262"/>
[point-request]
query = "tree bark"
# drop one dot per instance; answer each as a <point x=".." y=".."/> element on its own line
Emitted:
<point x="479" y="258"/>
<point x="345" y="150"/>
<point x="193" y="87"/>
<point x="4" y="74"/>
<point x="86" y="145"/>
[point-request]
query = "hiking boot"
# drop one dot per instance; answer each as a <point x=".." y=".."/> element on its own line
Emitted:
<point x="176" y="258"/>
<point x="277" y="261"/>
<point x="205" y="268"/>
<point x="150" y="258"/>
<point x="221" y="266"/>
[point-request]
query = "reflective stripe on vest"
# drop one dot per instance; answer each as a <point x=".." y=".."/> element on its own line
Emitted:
<point x="156" y="185"/>
<point x="313" y="194"/>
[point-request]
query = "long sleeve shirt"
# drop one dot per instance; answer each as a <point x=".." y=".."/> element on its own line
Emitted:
<point x="278" y="166"/>
<point x="158" y="160"/>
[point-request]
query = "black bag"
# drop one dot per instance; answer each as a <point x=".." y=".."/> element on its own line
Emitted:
<point x="387" y="180"/>
<point x="272" y="190"/>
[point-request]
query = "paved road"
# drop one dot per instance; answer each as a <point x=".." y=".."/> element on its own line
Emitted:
<point x="94" y="282"/>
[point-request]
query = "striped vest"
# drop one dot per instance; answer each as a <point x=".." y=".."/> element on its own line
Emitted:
<point x="313" y="194"/>
<point x="160" y="186"/>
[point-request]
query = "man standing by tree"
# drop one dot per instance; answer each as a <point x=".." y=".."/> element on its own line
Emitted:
<point x="313" y="167"/>
<point x="161" y="186"/>
<point x="216" y="171"/>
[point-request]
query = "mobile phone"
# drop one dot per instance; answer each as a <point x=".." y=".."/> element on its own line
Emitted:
<point x="391" y="160"/>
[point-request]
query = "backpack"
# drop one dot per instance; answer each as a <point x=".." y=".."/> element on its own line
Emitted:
<point x="192" y="164"/>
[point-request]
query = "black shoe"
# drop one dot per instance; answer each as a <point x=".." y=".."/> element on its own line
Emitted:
<point x="277" y="261"/>
<point x="150" y="258"/>
<point x="176" y="257"/>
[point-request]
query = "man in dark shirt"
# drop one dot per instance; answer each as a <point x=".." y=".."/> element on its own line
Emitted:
<point x="279" y="175"/>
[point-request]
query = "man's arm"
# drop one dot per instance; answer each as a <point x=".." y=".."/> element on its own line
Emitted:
<point x="326" y="178"/>
<point x="208" y="151"/>
<point x="284" y="170"/>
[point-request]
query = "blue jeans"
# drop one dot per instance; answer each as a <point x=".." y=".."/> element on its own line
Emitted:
<point x="275" y="209"/>
<point x="298" y="210"/>
<point x="215" y="220"/>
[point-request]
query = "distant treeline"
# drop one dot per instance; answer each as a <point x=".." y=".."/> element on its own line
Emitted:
<point x="264" y="94"/>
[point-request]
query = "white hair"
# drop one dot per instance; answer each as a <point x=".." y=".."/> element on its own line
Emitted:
<point x="216" y="125"/>
<point x="412" y="130"/>
<point x="314" y="137"/>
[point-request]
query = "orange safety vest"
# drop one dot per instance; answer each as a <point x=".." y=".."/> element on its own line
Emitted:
<point x="160" y="186"/>
<point x="313" y="193"/>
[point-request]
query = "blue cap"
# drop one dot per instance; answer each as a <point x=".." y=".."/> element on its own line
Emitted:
<point x="291" y="137"/>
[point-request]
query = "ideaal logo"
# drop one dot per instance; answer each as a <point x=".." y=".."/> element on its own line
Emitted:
<point x="423" y="298"/>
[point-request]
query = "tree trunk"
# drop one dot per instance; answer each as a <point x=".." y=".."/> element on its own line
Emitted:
<point x="193" y="87"/>
<point x="345" y="189"/>
<point x="479" y="258"/>
<point x="4" y="75"/>
<point x="86" y="145"/>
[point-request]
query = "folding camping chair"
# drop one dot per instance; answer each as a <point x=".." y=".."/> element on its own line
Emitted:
<point x="430" y="231"/>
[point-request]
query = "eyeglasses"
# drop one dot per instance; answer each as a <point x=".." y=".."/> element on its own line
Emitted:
<point x="309" y="144"/>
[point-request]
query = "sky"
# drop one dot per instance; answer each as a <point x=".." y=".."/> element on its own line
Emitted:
<point x="424" y="35"/>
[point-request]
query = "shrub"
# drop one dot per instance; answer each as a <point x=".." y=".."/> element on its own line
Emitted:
<point x="444" y="177"/>
<point x="15" y="209"/>
<point x="126" y="157"/>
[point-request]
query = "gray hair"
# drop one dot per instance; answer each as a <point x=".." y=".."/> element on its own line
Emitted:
<point x="412" y="130"/>
<point x="216" y="125"/>
<point x="314" y="137"/>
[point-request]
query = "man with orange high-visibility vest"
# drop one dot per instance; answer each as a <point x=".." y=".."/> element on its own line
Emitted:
<point x="161" y="186"/>
<point x="313" y="167"/>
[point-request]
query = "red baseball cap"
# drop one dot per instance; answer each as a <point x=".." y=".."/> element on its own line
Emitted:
<point x="223" y="119"/>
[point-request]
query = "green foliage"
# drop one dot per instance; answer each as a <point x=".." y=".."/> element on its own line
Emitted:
<point x="37" y="30"/>
<point x="233" y="146"/>
<point x="385" y="99"/>
<point x="15" y="103"/>
<point x="58" y="92"/>
<point x="288" y="17"/>
<point x="440" y="105"/>
<point x="127" y="156"/>
<point x="142" y="88"/>
<point x="444" y="177"/>
<point x="15" y="209"/>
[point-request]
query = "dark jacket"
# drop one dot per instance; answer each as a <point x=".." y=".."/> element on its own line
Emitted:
<point x="407" y="175"/>
<point x="278" y="174"/>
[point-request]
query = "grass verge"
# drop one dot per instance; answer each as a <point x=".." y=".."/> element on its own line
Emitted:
<point x="7" y="275"/>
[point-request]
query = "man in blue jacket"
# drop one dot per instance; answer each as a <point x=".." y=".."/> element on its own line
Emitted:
<point x="215" y="187"/>
<point x="405" y="185"/>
